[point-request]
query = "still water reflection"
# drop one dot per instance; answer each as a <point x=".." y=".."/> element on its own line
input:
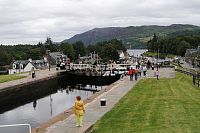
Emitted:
<point x="41" y="109"/>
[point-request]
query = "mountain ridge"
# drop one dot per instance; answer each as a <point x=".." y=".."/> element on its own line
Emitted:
<point x="137" y="36"/>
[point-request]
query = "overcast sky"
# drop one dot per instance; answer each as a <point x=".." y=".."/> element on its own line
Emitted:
<point x="31" y="21"/>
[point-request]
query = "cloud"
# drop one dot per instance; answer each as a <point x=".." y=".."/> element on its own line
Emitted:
<point x="30" y="21"/>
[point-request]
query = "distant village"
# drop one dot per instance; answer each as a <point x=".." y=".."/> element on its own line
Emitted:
<point x="191" y="56"/>
<point x="59" y="60"/>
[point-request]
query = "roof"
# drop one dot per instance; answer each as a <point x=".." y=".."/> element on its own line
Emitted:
<point x="25" y="62"/>
<point x="55" y="55"/>
<point x="39" y="61"/>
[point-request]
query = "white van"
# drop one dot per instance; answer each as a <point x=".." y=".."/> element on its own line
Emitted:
<point x="121" y="70"/>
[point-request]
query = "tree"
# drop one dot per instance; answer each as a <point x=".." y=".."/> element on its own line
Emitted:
<point x="48" y="41"/>
<point x="174" y="45"/>
<point x="117" y="44"/>
<point x="3" y="57"/>
<point x="109" y="53"/>
<point x="152" y="44"/>
<point x="35" y="53"/>
<point x="79" y="48"/>
<point x="68" y="50"/>
<point x="50" y="45"/>
<point x="182" y="47"/>
<point x="91" y="48"/>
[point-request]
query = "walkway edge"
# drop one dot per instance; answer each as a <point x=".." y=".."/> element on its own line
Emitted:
<point x="62" y="116"/>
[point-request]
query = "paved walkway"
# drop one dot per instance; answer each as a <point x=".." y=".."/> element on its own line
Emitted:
<point x="163" y="73"/>
<point x="40" y="74"/>
<point x="93" y="109"/>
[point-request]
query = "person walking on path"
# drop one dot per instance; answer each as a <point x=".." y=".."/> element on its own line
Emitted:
<point x="157" y="74"/>
<point x="136" y="73"/>
<point x="79" y="110"/>
<point x="152" y="66"/>
<point x="33" y="72"/>
<point x="140" y="71"/>
<point x="144" y="70"/>
<point x="131" y="73"/>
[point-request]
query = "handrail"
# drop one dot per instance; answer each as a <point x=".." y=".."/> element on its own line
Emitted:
<point x="14" y="125"/>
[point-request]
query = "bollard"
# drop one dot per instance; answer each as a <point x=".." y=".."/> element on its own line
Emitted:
<point x="103" y="102"/>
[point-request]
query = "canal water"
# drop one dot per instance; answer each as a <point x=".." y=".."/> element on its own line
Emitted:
<point x="136" y="52"/>
<point x="37" y="103"/>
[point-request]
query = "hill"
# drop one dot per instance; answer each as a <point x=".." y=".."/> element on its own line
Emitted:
<point x="136" y="36"/>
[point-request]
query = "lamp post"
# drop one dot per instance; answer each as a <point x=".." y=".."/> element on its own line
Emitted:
<point x="157" y="49"/>
<point x="48" y="58"/>
<point x="157" y="57"/>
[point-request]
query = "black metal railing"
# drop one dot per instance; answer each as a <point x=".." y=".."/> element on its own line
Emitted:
<point x="195" y="75"/>
<point x="196" y="79"/>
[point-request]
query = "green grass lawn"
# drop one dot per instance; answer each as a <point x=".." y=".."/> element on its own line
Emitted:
<point x="164" y="106"/>
<point x="6" y="78"/>
<point x="161" y="55"/>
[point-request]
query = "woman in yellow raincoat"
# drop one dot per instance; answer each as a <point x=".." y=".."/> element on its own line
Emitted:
<point x="78" y="110"/>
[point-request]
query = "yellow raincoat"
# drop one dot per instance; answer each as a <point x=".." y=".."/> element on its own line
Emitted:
<point x="78" y="110"/>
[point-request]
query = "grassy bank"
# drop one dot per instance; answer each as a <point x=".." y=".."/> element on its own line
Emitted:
<point x="6" y="78"/>
<point x="164" y="106"/>
<point x="161" y="55"/>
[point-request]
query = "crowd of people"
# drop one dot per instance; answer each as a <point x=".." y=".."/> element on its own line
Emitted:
<point x="138" y="70"/>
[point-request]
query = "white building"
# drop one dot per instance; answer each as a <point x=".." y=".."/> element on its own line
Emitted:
<point x="21" y="66"/>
